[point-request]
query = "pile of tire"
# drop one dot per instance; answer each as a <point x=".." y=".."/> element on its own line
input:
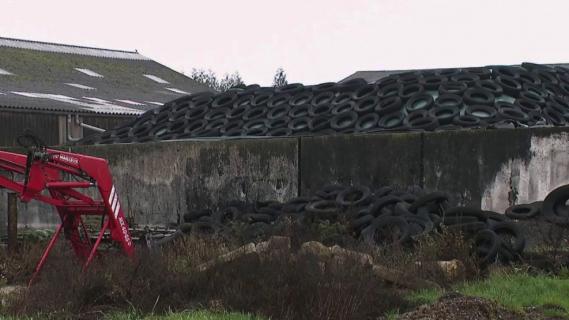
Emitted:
<point x="386" y="216"/>
<point x="445" y="99"/>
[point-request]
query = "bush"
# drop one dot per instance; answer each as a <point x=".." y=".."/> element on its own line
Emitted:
<point x="276" y="286"/>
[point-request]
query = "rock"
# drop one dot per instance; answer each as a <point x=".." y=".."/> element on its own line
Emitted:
<point x="274" y="246"/>
<point x="7" y="291"/>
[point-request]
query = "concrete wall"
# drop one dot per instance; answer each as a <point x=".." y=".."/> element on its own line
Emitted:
<point x="491" y="168"/>
<point x="159" y="182"/>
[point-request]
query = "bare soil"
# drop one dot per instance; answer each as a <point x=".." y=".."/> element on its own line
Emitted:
<point x="458" y="307"/>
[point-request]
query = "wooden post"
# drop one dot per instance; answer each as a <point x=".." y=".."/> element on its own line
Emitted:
<point x="12" y="221"/>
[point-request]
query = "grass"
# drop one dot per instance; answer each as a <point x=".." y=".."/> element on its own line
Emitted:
<point x="187" y="315"/>
<point x="515" y="291"/>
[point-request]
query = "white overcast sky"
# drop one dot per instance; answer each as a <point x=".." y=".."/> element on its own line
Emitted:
<point x="313" y="40"/>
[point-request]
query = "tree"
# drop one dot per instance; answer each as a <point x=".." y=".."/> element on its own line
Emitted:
<point x="279" y="79"/>
<point x="209" y="78"/>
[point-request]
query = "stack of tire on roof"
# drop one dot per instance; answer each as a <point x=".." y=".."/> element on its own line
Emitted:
<point x="386" y="216"/>
<point x="445" y="99"/>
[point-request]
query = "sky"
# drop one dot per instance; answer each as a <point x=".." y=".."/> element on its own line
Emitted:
<point x="312" y="40"/>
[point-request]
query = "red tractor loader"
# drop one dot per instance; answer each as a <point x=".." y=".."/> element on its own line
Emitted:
<point x="60" y="179"/>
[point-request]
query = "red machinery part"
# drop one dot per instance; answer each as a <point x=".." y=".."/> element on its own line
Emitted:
<point x="45" y="183"/>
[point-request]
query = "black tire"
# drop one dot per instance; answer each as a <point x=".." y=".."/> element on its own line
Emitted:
<point x="367" y="122"/>
<point x="382" y="202"/>
<point x="360" y="223"/>
<point x="216" y="125"/>
<point x="366" y="91"/>
<point x="278" y="112"/>
<point x="465" y="76"/>
<point x="326" y="86"/>
<point x="478" y="96"/>
<point x="510" y="85"/>
<point x="495" y="217"/>
<point x="186" y="228"/>
<point x="224" y="100"/>
<point x="278" y="100"/>
<point x="409" y="90"/>
<point x="523" y="211"/>
<point x="424" y="123"/>
<point x="389" y="105"/>
<point x="261" y="99"/>
<point x="354" y="196"/>
<point x="344" y="121"/>
<point x="323" y="210"/>
<point x="553" y="117"/>
<point x="330" y="192"/>
<point x="491" y="86"/>
<point x="554" y="207"/>
<point x="466" y="211"/>
<point x="278" y="123"/>
<point x="259" y="132"/>
<point x="257" y="217"/>
<point x="216" y="114"/>
<point x="432" y="82"/>
<point x="301" y="98"/>
<point x="366" y="105"/>
<point x="433" y="197"/>
<point x="420" y="101"/>
<point x="389" y="90"/>
<point x="197" y="113"/>
<point x="392" y="120"/>
<point x="280" y="132"/>
<point x="444" y="114"/>
<point x="254" y="113"/>
<point x="231" y="126"/>
<point x="484" y="113"/>
<point x="375" y="233"/>
<point x="454" y="88"/>
<point x="487" y="244"/>
<point x="466" y="121"/>
<point x="317" y="124"/>
<point x="341" y="99"/>
<point x="511" y="229"/>
<point x="300" y="111"/>
<point x="196" y="214"/>
<point x="450" y="221"/>
<point x="418" y="225"/>
<point x="323" y="99"/>
<point x="236" y="114"/>
<point x="513" y="114"/>
<point x="343" y="108"/>
<point x="467" y="228"/>
<point x="236" y="132"/>
<point x="321" y="110"/>
<point x="291" y="88"/>
<point x="299" y="124"/>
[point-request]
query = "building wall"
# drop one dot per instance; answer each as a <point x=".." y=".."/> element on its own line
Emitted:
<point x="13" y="124"/>
<point x="50" y="127"/>
<point x="494" y="169"/>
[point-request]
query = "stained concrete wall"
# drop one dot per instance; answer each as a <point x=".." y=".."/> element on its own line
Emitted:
<point x="159" y="182"/>
<point x="371" y="160"/>
<point x="491" y="168"/>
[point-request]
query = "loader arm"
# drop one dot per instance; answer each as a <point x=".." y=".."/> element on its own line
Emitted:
<point x="62" y="179"/>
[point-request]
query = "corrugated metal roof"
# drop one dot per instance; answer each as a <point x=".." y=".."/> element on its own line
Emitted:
<point x="372" y="76"/>
<point x="70" y="49"/>
<point x="51" y="77"/>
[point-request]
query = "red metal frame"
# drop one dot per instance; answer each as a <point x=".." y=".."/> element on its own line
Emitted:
<point x="46" y="183"/>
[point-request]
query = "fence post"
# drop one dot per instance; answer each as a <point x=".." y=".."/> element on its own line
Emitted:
<point x="12" y="221"/>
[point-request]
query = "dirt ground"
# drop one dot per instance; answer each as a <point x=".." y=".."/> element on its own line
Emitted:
<point x="458" y="307"/>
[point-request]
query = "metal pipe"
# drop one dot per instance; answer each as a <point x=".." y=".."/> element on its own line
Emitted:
<point x="12" y="222"/>
<point x="69" y="137"/>
<point x="90" y="127"/>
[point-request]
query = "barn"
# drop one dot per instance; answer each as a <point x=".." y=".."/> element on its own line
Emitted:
<point x="65" y="92"/>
